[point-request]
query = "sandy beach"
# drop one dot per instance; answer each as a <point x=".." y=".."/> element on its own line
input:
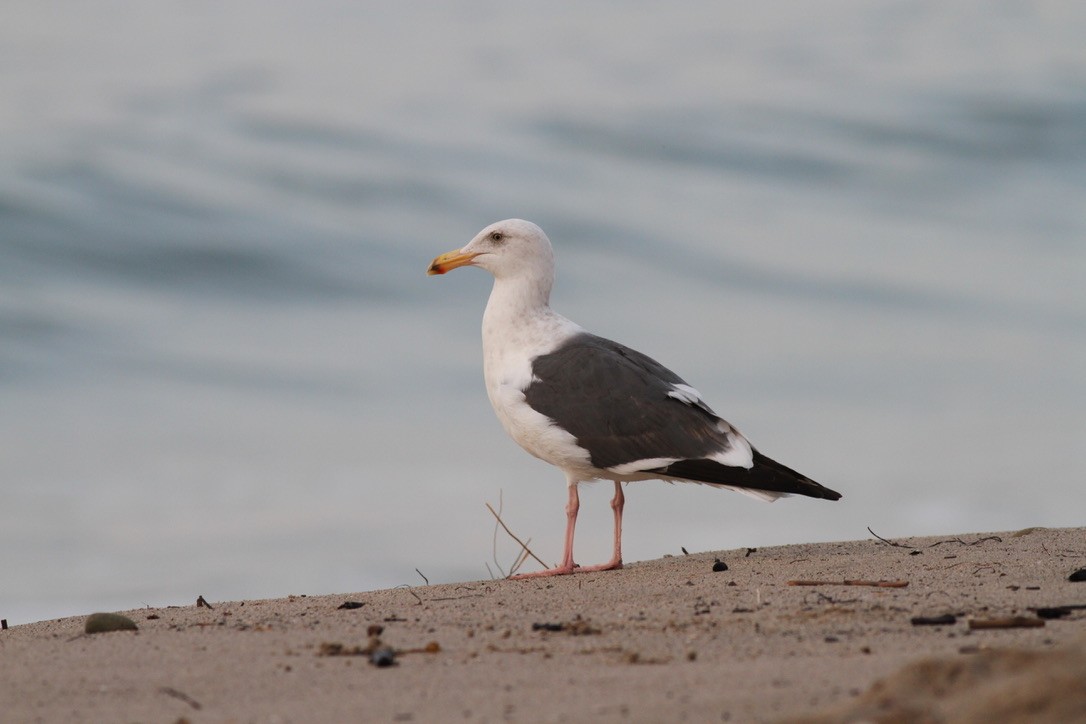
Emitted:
<point x="952" y="628"/>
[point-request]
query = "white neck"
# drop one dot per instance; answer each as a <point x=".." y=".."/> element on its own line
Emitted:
<point x="518" y="321"/>
<point x="515" y="301"/>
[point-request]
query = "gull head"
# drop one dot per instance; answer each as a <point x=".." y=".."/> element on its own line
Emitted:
<point x="506" y="249"/>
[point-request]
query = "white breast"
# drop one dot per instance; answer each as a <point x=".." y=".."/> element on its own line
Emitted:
<point x="509" y="346"/>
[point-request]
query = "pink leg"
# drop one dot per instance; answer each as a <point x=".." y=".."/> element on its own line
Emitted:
<point x="568" y="566"/>
<point x="617" y="503"/>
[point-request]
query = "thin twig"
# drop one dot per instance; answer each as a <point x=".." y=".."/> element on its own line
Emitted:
<point x="887" y="542"/>
<point x="1011" y="622"/>
<point x="521" y="558"/>
<point x="878" y="584"/>
<point x="494" y="541"/>
<point x="996" y="538"/>
<point x="523" y="545"/>
<point x="938" y="542"/>
<point x="170" y="691"/>
<point x="423" y="577"/>
<point x="408" y="589"/>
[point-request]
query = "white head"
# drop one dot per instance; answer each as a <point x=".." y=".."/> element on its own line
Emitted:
<point x="507" y="249"/>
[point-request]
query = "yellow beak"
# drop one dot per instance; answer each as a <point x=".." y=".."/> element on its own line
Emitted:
<point x="449" y="261"/>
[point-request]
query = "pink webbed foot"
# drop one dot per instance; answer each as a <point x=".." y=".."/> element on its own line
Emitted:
<point x="568" y="570"/>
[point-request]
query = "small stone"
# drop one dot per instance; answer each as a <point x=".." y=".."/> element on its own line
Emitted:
<point x="946" y="619"/>
<point x="383" y="657"/>
<point x="1053" y="612"/>
<point x="1078" y="576"/>
<point x="719" y="566"/>
<point x="104" y="622"/>
<point x="350" y="605"/>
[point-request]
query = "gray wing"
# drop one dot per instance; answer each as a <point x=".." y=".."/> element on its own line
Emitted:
<point x="619" y="404"/>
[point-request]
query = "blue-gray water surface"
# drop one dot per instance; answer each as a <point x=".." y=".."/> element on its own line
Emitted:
<point x="859" y="229"/>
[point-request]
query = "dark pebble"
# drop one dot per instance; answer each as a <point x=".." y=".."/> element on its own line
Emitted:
<point x="351" y="605"/>
<point x="719" y="566"/>
<point x="1078" y="576"/>
<point x="1054" y="612"/>
<point x="547" y="626"/>
<point x="945" y="620"/>
<point x="383" y="657"/>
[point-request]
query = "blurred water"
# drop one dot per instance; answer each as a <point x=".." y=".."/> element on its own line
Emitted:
<point x="857" y="228"/>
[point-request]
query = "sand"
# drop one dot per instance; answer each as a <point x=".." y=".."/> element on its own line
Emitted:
<point x="664" y="640"/>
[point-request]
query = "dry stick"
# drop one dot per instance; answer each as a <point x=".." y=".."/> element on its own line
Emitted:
<point x="523" y="545"/>
<point x="494" y="538"/>
<point x="1012" y="622"/>
<point x="170" y="691"/>
<point x="965" y="542"/>
<point x="521" y="557"/>
<point x="938" y="542"/>
<point x="888" y="542"/>
<point x="407" y="588"/>
<point x="879" y="584"/>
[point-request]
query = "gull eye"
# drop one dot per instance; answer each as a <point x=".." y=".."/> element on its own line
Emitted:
<point x="497" y="237"/>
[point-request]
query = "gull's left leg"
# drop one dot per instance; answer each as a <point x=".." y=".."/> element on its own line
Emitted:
<point x="567" y="565"/>
<point x="617" y="503"/>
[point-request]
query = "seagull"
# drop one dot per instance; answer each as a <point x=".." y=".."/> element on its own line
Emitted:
<point x="593" y="408"/>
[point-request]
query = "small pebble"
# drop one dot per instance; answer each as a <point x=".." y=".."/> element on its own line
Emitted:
<point x="383" y="657"/>
<point x="1053" y="612"/>
<point x="719" y="566"/>
<point x="1078" y="576"/>
<point x="349" y="605"/>
<point x="945" y="620"/>
<point x="104" y="622"/>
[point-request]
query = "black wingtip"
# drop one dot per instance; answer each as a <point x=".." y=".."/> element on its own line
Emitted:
<point x="803" y="484"/>
<point x="766" y="474"/>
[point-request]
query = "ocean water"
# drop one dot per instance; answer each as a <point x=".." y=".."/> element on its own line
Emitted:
<point x="859" y="229"/>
